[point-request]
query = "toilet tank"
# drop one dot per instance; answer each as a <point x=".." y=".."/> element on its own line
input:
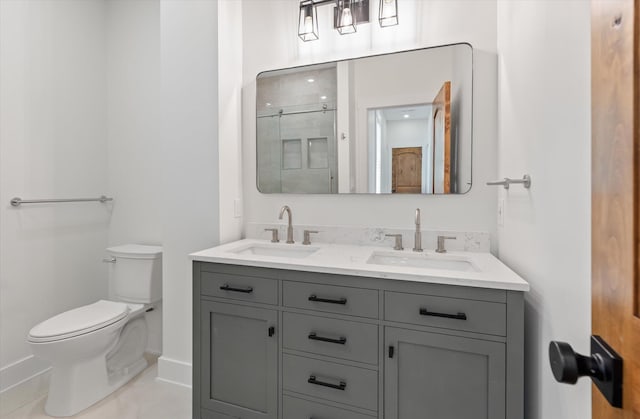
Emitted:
<point x="136" y="275"/>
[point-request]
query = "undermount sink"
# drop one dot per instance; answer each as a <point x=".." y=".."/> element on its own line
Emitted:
<point x="276" y="250"/>
<point x="428" y="261"/>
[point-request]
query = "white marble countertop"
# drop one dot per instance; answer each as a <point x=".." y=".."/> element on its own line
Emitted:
<point x="488" y="271"/>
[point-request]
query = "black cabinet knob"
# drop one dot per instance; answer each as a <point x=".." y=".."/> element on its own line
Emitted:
<point x="567" y="366"/>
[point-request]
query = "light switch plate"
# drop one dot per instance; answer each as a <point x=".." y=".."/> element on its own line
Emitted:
<point x="237" y="208"/>
<point x="501" y="213"/>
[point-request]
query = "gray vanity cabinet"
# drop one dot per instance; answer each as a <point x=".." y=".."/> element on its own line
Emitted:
<point x="284" y="344"/>
<point x="239" y="359"/>
<point x="435" y="376"/>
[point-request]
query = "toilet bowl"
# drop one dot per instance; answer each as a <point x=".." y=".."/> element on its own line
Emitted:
<point x="93" y="350"/>
<point x="96" y="348"/>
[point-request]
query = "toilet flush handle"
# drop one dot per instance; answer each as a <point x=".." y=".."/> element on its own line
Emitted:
<point x="109" y="260"/>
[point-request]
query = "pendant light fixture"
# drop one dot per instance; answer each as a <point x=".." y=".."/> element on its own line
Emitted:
<point x="388" y="15"/>
<point x="346" y="15"/>
<point x="308" y="21"/>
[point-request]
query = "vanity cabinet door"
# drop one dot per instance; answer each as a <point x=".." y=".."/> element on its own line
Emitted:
<point x="239" y="359"/>
<point x="434" y="376"/>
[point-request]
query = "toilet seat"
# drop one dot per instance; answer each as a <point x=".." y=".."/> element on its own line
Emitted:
<point x="79" y="321"/>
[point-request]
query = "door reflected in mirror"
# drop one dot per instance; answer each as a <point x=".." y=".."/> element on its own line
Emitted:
<point x="388" y="124"/>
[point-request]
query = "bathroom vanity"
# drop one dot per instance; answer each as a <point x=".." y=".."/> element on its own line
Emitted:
<point x="355" y="332"/>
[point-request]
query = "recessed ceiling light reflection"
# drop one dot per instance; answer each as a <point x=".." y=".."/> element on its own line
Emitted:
<point x="323" y="98"/>
<point x="268" y="104"/>
<point x="406" y="115"/>
<point x="310" y="80"/>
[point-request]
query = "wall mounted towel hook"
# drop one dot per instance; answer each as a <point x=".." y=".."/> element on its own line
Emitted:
<point x="525" y="181"/>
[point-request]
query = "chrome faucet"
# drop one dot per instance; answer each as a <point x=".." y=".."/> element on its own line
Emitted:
<point x="307" y="236"/>
<point x="398" y="242"/>
<point x="290" y="226"/>
<point x="417" y="238"/>
<point x="274" y="234"/>
<point x="441" y="239"/>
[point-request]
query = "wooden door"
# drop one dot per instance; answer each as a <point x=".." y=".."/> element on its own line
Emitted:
<point x="615" y="86"/>
<point x="239" y="358"/>
<point x="406" y="170"/>
<point x="435" y="376"/>
<point x="442" y="140"/>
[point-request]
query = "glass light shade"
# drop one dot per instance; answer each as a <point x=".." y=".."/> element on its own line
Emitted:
<point x="346" y="17"/>
<point x="308" y="23"/>
<point x="388" y="15"/>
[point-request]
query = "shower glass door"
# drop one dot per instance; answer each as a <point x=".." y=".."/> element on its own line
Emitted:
<point x="298" y="149"/>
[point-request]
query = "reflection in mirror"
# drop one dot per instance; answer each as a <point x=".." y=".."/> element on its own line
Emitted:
<point x="398" y="140"/>
<point x="296" y="131"/>
<point x="394" y="123"/>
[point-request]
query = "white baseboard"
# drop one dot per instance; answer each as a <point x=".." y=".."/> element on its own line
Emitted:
<point x="22" y="382"/>
<point x="174" y="372"/>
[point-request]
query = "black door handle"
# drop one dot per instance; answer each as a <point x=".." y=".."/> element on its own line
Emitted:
<point x="340" y="341"/>
<point x="226" y="287"/>
<point x="392" y="351"/>
<point x="312" y="380"/>
<point x="458" y="316"/>
<point x="604" y="366"/>
<point x="567" y="366"/>
<point x="272" y="331"/>
<point x="314" y="298"/>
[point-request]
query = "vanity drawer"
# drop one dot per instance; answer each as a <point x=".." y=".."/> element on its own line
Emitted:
<point x="331" y="337"/>
<point x="239" y="287"/>
<point x="449" y="313"/>
<point x="327" y="380"/>
<point x="294" y="408"/>
<point x="331" y="298"/>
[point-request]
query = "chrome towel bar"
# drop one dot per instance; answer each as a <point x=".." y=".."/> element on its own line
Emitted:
<point x="525" y="181"/>
<point x="16" y="202"/>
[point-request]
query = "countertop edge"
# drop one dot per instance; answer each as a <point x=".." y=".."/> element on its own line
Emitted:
<point x="475" y="283"/>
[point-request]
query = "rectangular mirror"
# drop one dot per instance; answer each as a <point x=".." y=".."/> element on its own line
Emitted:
<point x="393" y="123"/>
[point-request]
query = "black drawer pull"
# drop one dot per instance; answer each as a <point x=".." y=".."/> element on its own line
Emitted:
<point x="341" y="301"/>
<point x="312" y="380"/>
<point x="340" y="341"/>
<point x="459" y="316"/>
<point x="226" y="287"/>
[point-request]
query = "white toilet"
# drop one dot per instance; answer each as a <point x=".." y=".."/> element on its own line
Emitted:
<point x="97" y="348"/>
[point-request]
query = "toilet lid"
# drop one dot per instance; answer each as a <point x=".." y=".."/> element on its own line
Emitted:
<point x="79" y="321"/>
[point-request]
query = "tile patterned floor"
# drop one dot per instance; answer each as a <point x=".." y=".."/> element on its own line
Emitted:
<point x="142" y="398"/>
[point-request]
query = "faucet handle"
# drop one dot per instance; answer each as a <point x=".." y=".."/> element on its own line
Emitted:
<point x="441" y="239"/>
<point x="307" y="236"/>
<point x="274" y="234"/>
<point x="398" y="244"/>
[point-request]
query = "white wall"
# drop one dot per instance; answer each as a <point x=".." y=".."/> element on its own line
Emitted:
<point x="191" y="208"/>
<point x="81" y="116"/>
<point x="134" y="115"/>
<point x="423" y="24"/>
<point x="163" y="146"/>
<point x="134" y="156"/>
<point x="544" y="119"/>
<point x="230" y="118"/>
<point x="52" y="145"/>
